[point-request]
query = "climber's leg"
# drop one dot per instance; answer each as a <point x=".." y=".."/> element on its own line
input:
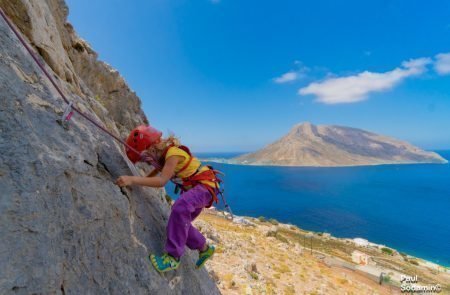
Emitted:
<point x="196" y="213"/>
<point x="179" y="226"/>
<point x="195" y="239"/>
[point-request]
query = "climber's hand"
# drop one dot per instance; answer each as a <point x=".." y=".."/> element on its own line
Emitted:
<point x="124" y="180"/>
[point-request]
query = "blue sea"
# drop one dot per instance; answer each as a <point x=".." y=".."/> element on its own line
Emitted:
<point x="406" y="207"/>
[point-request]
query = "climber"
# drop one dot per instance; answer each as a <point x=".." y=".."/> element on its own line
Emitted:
<point x="199" y="185"/>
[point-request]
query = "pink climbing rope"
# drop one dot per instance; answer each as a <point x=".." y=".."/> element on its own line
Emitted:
<point x="67" y="118"/>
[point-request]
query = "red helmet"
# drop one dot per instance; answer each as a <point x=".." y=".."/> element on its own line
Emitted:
<point x="141" y="138"/>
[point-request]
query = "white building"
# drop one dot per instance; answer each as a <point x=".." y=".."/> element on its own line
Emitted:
<point x="361" y="242"/>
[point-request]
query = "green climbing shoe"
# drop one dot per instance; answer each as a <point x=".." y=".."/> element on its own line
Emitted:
<point x="164" y="263"/>
<point x="205" y="255"/>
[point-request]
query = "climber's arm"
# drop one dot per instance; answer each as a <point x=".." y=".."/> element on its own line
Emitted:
<point x="153" y="172"/>
<point x="156" y="181"/>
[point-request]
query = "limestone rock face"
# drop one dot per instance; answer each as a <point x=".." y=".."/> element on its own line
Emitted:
<point x="73" y="60"/>
<point x="310" y="145"/>
<point x="65" y="227"/>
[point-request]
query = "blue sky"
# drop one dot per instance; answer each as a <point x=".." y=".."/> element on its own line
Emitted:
<point x="229" y="75"/>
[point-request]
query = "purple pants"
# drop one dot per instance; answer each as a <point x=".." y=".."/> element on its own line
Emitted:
<point x="180" y="231"/>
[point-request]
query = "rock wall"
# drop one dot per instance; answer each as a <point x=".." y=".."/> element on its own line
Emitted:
<point x="65" y="227"/>
<point x="44" y="23"/>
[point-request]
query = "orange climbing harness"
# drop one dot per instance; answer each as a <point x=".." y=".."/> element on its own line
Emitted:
<point x="198" y="178"/>
<point x="207" y="175"/>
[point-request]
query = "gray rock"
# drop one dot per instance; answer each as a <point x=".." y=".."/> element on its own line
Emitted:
<point x="65" y="227"/>
<point x="74" y="62"/>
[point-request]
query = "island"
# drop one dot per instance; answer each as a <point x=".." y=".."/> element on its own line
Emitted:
<point x="322" y="145"/>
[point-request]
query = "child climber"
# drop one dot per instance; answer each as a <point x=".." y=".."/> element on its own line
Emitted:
<point x="199" y="185"/>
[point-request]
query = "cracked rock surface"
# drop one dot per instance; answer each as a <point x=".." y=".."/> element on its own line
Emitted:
<point x="65" y="227"/>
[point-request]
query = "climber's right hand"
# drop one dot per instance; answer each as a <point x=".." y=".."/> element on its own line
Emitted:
<point x="124" y="180"/>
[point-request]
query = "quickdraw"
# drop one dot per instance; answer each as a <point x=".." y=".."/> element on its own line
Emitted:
<point x="65" y="118"/>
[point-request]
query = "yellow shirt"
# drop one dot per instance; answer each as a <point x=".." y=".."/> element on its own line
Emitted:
<point x="191" y="169"/>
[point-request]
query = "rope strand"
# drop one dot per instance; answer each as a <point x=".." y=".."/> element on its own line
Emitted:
<point x="52" y="81"/>
<point x="148" y="158"/>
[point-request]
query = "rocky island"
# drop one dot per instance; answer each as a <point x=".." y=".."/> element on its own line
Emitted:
<point x="310" y="145"/>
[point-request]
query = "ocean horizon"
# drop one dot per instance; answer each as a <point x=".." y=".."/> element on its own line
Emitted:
<point x="403" y="206"/>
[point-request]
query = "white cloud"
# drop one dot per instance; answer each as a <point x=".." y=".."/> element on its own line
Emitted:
<point x="286" y="77"/>
<point x="293" y="75"/>
<point x="356" y="88"/>
<point x="442" y="64"/>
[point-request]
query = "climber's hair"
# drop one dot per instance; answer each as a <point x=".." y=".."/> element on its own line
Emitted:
<point x="159" y="148"/>
<point x="171" y="140"/>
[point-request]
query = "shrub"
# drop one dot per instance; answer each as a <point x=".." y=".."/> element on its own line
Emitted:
<point x="273" y="221"/>
<point x="283" y="268"/>
<point x="413" y="262"/>
<point x="262" y="219"/>
<point x="277" y="236"/>
<point x="254" y="275"/>
<point x="343" y="281"/>
<point x="387" y="251"/>
<point x="271" y="233"/>
<point x="281" y="239"/>
<point x="270" y="288"/>
<point x="228" y="279"/>
<point x="386" y="279"/>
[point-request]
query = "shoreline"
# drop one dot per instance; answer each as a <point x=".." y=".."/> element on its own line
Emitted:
<point x="401" y="243"/>
<point x="261" y="256"/>
<point x="359" y="240"/>
<point x="231" y="162"/>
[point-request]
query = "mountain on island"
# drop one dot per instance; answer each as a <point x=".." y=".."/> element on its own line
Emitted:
<point x="310" y="145"/>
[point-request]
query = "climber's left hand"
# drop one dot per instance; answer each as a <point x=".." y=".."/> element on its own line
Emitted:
<point x="124" y="180"/>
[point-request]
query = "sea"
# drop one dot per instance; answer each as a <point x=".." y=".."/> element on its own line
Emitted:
<point x="406" y="207"/>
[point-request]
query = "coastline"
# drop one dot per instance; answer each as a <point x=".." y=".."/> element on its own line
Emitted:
<point x="358" y="241"/>
<point x="262" y="255"/>
<point x="232" y="162"/>
<point x="384" y="187"/>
